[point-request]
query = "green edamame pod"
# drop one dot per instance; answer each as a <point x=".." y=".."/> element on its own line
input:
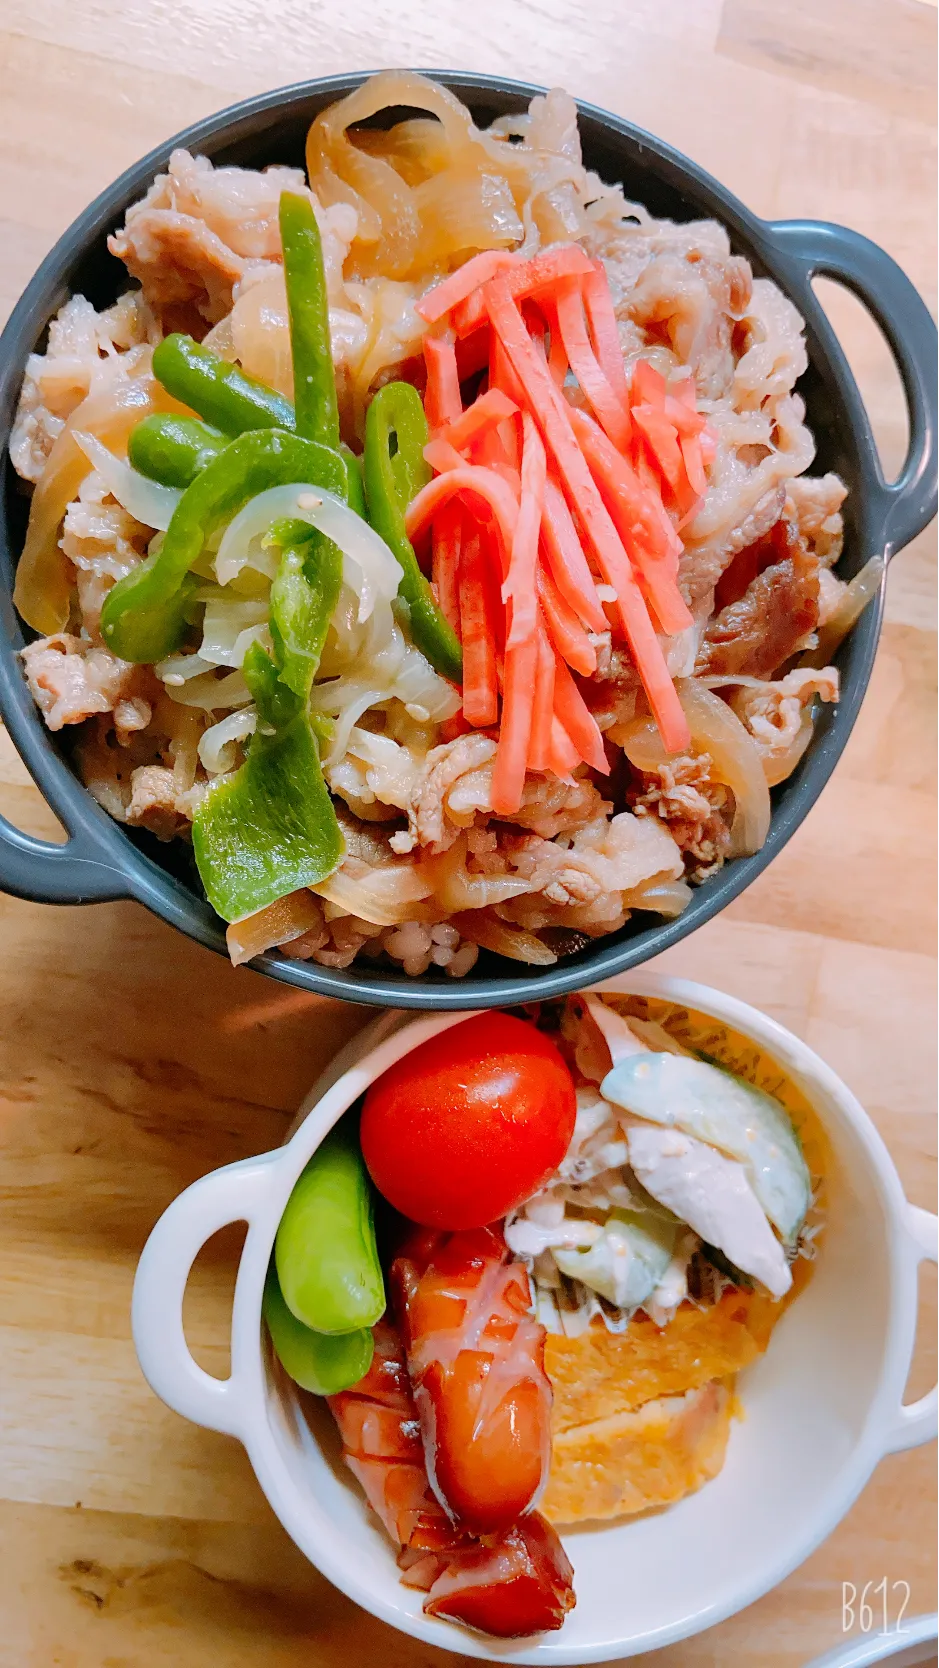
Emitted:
<point x="173" y="449"/>
<point x="327" y="1260"/>
<point x="316" y="1362"/>
<point x="220" y="392"/>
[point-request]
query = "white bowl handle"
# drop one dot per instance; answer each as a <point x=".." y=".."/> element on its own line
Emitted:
<point x="228" y="1195"/>
<point x="917" y="1422"/>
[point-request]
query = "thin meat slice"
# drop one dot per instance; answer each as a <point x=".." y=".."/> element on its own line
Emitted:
<point x="757" y="634"/>
<point x="763" y="552"/>
<point x="519" y="1585"/>
<point x="476" y="1361"/>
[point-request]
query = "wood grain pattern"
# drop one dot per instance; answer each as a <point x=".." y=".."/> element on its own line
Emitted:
<point x="841" y="46"/>
<point x="131" y="1061"/>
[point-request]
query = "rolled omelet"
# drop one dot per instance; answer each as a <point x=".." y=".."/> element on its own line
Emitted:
<point x="653" y="1457"/>
<point x="642" y="1418"/>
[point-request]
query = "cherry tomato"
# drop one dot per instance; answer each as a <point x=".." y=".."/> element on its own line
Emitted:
<point x="472" y="1123"/>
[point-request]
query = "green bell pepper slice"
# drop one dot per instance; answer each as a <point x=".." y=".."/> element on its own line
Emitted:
<point x="304" y="595"/>
<point x="276" y="702"/>
<point x="219" y="391"/>
<point x="314" y="377"/>
<point x="395" y="436"/>
<point x="270" y="828"/>
<point x="144" y="615"/>
<point x="173" y="449"/>
<point x="356" y="482"/>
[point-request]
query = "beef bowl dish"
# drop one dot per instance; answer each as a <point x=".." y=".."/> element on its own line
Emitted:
<point x="437" y="551"/>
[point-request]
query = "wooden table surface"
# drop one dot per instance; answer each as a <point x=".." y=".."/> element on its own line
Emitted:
<point x="131" y="1061"/>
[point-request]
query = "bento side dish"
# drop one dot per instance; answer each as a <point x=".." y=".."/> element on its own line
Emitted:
<point x="427" y="538"/>
<point x="525" y="1271"/>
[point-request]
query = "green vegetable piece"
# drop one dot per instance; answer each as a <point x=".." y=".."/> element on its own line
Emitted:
<point x="628" y="1260"/>
<point x="276" y="703"/>
<point x="395" y="470"/>
<point x="314" y="378"/>
<point x="356" y="483"/>
<point x="270" y="828"/>
<point x="173" y="449"/>
<point x="316" y="1362"/>
<point x="304" y="595"/>
<point x="714" y="1105"/>
<point x="143" y="617"/>
<point x="724" y="1266"/>
<point x="327" y="1261"/>
<point x="220" y="392"/>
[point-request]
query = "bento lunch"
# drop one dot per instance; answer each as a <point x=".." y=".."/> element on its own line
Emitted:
<point x="524" y="1273"/>
<point x="427" y="541"/>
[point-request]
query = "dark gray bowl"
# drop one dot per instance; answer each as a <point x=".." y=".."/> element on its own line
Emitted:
<point x="102" y="860"/>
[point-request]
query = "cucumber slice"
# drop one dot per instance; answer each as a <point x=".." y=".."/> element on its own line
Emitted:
<point x="628" y="1260"/>
<point x="723" y="1110"/>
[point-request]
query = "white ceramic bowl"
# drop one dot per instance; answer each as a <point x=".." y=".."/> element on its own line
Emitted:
<point x="912" y="1646"/>
<point x="822" y="1406"/>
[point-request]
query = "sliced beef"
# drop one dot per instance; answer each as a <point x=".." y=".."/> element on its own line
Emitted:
<point x="756" y="634"/>
<point x="765" y="552"/>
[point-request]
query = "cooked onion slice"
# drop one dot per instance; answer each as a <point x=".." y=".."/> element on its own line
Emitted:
<point x="717" y="731"/>
<point x="492" y="934"/>
<point x="669" y="898"/>
<point x="456" y="889"/>
<point x="397" y="235"/>
<point x="279" y="923"/>
<point x="43" y="586"/>
<point x="387" y="896"/>
<point x="369" y="568"/>
<point x="218" y="744"/>
<point x="861" y="589"/>
<point x="145" y="500"/>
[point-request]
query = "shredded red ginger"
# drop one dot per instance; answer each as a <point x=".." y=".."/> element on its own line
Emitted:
<point x="550" y="522"/>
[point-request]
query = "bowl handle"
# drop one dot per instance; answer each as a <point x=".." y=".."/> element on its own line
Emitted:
<point x="917" y="1422"/>
<point x="817" y="248"/>
<point x="232" y="1194"/>
<point x="72" y="873"/>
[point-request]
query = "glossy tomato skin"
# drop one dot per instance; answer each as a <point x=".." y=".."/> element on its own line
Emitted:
<point x="461" y="1131"/>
